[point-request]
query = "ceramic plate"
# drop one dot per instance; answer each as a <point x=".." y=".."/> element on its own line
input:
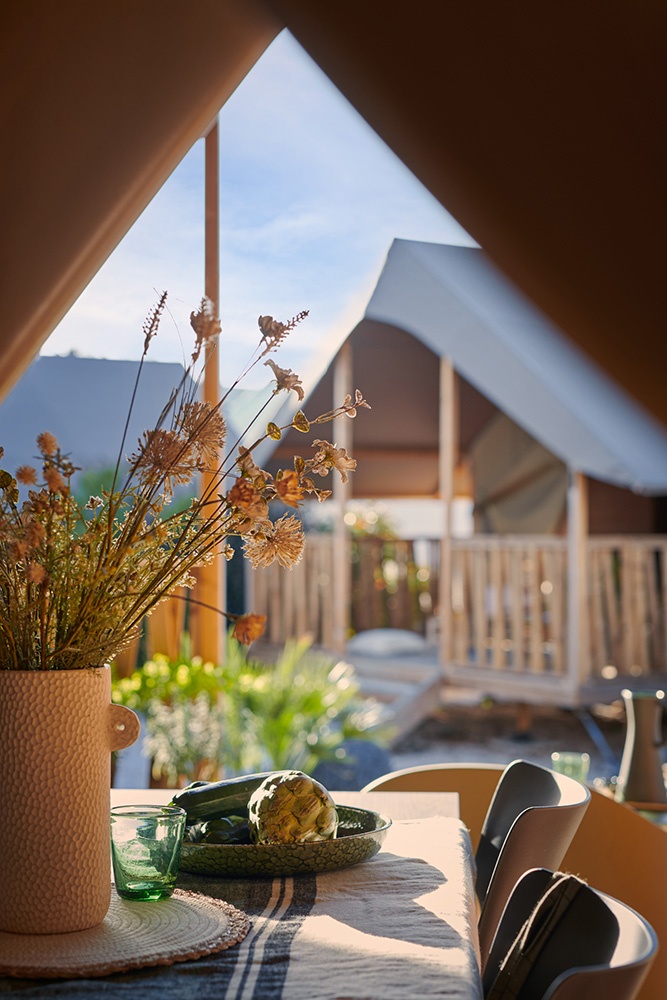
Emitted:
<point x="360" y="836"/>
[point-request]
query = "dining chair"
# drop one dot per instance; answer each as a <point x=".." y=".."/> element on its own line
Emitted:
<point x="530" y="821"/>
<point x="475" y="784"/>
<point x="560" y="939"/>
<point x="624" y="855"/>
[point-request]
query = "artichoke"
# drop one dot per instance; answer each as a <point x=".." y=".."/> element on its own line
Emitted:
<point x="291" y="808"/>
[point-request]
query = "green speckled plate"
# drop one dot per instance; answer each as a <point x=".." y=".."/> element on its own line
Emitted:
<point x="360" y="836"/>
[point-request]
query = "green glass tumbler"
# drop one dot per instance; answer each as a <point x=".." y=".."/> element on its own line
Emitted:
<point x="146" y="850"/>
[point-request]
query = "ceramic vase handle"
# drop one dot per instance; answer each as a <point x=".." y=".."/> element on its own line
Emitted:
<point x="124" y="726"/>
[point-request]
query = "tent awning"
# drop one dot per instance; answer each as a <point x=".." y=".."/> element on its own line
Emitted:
<point x="458" y="304"/>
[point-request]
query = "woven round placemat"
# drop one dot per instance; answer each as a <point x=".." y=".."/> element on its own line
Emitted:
<point x="132" y="935"/>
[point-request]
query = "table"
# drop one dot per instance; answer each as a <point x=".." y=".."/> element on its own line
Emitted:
<point x="401" y="925"/>
<point x="398" y="805"/>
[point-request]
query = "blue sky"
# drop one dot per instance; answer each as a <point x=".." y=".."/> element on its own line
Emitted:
<point x="310" y="200"/>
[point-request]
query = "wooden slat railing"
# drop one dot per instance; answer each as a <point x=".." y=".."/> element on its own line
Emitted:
<point x="508" y="603"/>
<point x="509" y="600"/>
<point x="628" y="606"/>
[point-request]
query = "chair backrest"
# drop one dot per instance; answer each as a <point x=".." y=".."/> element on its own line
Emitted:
<point x="530" y="823"/>
<point x="597" y="947"/>
<point x="520" y="816"/>
<point x="475" y="784"/>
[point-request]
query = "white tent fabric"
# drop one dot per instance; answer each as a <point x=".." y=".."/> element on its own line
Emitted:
<point x="456" y="302"/>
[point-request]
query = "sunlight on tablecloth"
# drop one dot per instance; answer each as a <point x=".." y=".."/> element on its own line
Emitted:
<point x="392" y="930"/>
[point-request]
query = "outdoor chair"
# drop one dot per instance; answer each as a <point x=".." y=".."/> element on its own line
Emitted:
<point x="625" y="855"/>
<point x="475" y="784"/>
<point x="560" y="939"/>
<point x="531" y="819"/>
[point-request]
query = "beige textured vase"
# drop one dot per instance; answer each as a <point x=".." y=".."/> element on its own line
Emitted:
<point x="57" y="731"/>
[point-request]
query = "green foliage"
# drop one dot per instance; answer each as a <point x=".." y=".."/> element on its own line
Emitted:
<point x="291" y="714"/>
<point x="93" y="482"/>
<point x="168" y="681"/>
<point x="186" y="739"/>
<point x="248" y="715"/>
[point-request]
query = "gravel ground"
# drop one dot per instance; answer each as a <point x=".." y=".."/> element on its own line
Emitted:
<point x="495" y="733"/>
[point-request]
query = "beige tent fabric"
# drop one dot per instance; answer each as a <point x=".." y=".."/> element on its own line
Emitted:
<point x="98" y="104"/>
<point x="519" y="487"/>
<point x="541" y="128"/>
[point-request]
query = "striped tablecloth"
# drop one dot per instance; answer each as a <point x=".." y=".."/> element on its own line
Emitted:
<point x="401" y="925"/>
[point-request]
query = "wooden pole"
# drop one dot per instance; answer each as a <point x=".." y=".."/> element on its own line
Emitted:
<point x="211" y="582"/>
<point x="578" y="655"/>
<point x="447" y="461"/>
<point x="342" y="386"/>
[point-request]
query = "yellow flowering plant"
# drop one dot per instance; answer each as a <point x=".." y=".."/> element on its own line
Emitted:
<point x="76" y="582"/>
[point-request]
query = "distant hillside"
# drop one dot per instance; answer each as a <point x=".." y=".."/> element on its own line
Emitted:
<point x="85" y="401"/>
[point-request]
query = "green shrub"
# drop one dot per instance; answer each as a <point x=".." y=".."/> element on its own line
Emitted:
<point x="295" y="712"/>
<point x="249" y="715"/>
<point x="185" y="740"/>
<point x="168" y="681"/>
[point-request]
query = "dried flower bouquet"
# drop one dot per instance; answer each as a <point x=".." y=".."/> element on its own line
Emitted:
<point x="76" y="584"/>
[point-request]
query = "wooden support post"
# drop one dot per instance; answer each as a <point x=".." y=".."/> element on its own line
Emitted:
<point x="578" y="653"/>
<point x="448" y="450"/>
<point x="341" y="582"/>
<point x="210" y="587"/>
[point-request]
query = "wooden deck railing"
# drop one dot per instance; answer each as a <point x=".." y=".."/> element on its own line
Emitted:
<point x="509" y="603"/>
<point x="509" y="600"/>
<point x="297" y="601"/>
<point x="628" y="602"/>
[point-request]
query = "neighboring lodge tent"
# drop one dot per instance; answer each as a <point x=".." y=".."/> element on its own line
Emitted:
<point x="529" y="405"/>
<point x="469" y="384"/>
<point x="85" y="403"/>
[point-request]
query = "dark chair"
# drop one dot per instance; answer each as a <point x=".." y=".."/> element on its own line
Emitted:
<point x="559" y="939"/>
<point x="531" y="819"/>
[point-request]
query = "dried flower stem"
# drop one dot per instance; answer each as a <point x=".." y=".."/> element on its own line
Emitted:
<point x="75" y="584"/>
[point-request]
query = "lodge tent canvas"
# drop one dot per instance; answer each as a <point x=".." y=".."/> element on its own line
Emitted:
<point x="460" y="306"/>
<point x="541" y="132"/>
<point x="458" y="364"/>
<point x="434" y="302"/>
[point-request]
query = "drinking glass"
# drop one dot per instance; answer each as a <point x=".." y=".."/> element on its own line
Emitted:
<point x="146" y="850"/>
<point x="572" y="763"/>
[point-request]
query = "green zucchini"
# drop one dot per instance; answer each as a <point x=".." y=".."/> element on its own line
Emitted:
<point x="226" y="830"/>
<point x="215" y="799"/>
